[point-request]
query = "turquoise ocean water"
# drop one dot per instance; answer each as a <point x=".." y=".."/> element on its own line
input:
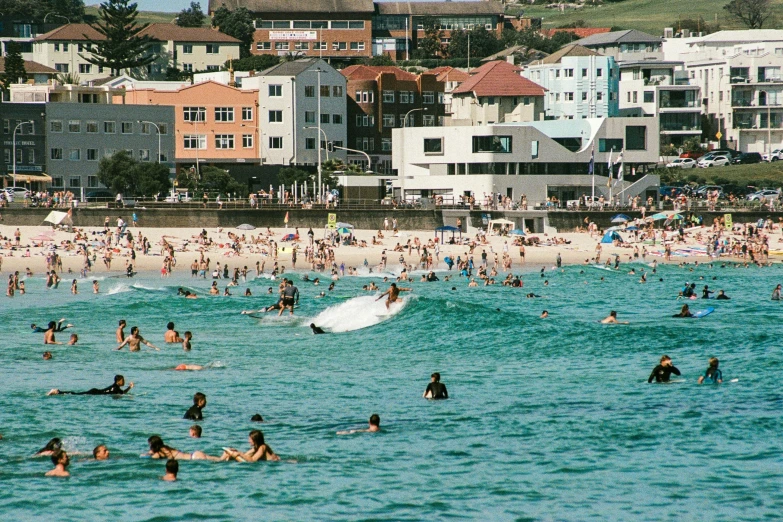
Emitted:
<point x="549" y="419"/>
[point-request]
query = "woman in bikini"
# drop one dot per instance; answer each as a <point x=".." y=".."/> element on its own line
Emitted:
<point x="159" y="450"/>
<point x="258" y="450"/>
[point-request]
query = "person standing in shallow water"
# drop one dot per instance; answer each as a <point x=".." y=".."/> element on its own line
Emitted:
<point x="436" y="390"/>
<point x="663" y="371"/>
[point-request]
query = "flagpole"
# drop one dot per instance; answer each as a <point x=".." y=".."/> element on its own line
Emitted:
<point x="610" y="176"/>
<point x="592" y="169"/>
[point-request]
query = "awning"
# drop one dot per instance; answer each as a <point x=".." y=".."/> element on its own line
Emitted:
<point x="30" y="178"/>
<point x="59" y="218"/>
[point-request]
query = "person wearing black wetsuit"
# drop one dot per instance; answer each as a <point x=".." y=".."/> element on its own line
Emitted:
<point x="316" y="329"/>
<point x="705" y="294"/>
<point x="194" y="412"/>
<point x="432" y="277"/>
<point x="722" y="295"/>
<point x="290" y="297"/>
<point x="436" y="390"/>
<point x="114" y="389"/>
<point x="663" y="371"/>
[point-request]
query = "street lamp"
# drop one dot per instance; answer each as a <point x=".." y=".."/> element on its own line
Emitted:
<point x="156" y="128"/>
<point x="369" y="161"/>
<point x="55" y="14"/>
<point x="405" y="120"/>
<point x="326" y="140"/>
<point x="318" y="93"/>
<point x="14" y="145"/>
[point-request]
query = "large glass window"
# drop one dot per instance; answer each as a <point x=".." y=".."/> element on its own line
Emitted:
<point x="247" y="141"/>
<point x="275" y="142"/>
<point x="275" y="116"/>
<point x="224" y="114"/>
<point x="224" y="141"/>
<point x="275" y="91"/>
<point x="498" y="144"/>
<point x="247" y="113"/>
<point x="608" y="145"/>
<point x="74" y="126"/>
<point x="636" y="137"/>
<point x="433" y="145"/>
<point x="194" y="113"/>
<point x="195" y="141"/>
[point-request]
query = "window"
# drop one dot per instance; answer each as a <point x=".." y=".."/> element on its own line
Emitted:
<point x="275" y="116"/>
<point x="281" y="46"/>
<point x="386" y="144"/>
<point x="402" y="120"/>
<point x="428" y="120"/>
<point x="75" y="154"/>
<point x="195" y="141"/>
<point x="7" y="155"/>
<point x="428" y="97"/>
<point x="612" y="96"/>
<point x="568" y="96"/>
<point x="247" y="141"/>
<point x="187" y="49"/>
<point x="92" y="127"/>
<point x="309" y="91"/>
<point x="31" y="156"/>
<point x="164" y="156"/>
<point x="584" y="73"/>
<point x="584" y="96"/>
<point x="608" y="145"/>
<point x="325" y="91"/>
<point x="65" y="47"/>
<point x="636" y="138"/>
<point x="649" y="96"/>
<point x="145" y="127"/>
<point x="213" y="68"/>
<point x="339" y="25"/>
<point x="357" y="46"/>
<point x="85" y="68"/>
<point x="54" y="126"/>
<point x="224" y="141"/>
<point x="569" y="73"/>
<point x="599" y="72"/>
<point x="356" y="25"/>
<point x="310" y="143"/>
<point x="337" y="119"/>
<point x="388" y="120"/>
<point x="302" y="46"/>
<point x="74" y="182"/>
<point x="337" y="91"/>
<point x="194" y="113"/>
<point x="319" y="46"/>
<point x="388" y="96"/>
<point x="92" y="181"/>
<point x="433" y="145"/>
<point x="500" y="144"/>
<point x="88" y="98"/>
<point x="109" y="127"/>
<point x="213" y="48"/>
<point x="57" y="47"/>
<point x="19" y="155"/>
<point x="599" y="96"/>
<point x="74" y="126"/>
<point x="92" y="154"/>
<point x="275" y="142"/>
<point x="275" y="91"/>
<point x="405" y="97"/>
<point x="144" y="154"/>
<point x="534" y="149"/>
<point x="247" y="113"/>
<point x="635" y="96"/>
<point x="263" y="46"/>
<point x="224" y="114"/>
<point x="187" y="67"/>
<point x="108" y="153"/>
<point x="324" y="118"/>
<point x="339" y="46"/>
<point x="61" y="67"/>
<point x="127" y="127"/>
<point x="309" y="116"/>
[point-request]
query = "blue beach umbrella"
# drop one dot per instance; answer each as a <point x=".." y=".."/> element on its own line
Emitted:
<point x="620" y="218"/>
<point x="517" y="232"/>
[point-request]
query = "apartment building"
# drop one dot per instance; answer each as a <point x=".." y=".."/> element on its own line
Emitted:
<point x="27" y="141"/>
<point x="580" y="83"/>
<point x="22" y="31"/>
<point x="36" y="72"/>
<point x="451" y="79"/>
<point x="298" y="101"/>
<point x="496" y="93"/>
<point x="214" y="124"/>
<point x="625" y="45"/>
<point x="188" y="49"/>
<point x="383" y="98"/>
<point x="740" y="74"/>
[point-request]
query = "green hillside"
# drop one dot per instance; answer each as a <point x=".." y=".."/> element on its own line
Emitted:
<point x="145" y="17"/>
<point x="650" y="16"/>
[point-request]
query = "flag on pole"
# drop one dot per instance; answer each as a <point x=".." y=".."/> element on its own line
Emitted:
<point x="622" y="165"/>
<point x="591" y="165"/>
<point x="609" y="168"/>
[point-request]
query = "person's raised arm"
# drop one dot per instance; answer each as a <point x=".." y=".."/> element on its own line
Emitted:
<point x="129" y="388"/>
<point x="120" y="347"/>
<point x="675" y="371"/>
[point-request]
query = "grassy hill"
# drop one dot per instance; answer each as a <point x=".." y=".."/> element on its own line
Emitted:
<point x="144" y="17"/>
<point x="650" y="16"/>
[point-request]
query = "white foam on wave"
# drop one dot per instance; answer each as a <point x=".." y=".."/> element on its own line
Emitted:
<point x="140" y="286"/>
<point x="357" y="313"/>
<point x="118" y="289"/>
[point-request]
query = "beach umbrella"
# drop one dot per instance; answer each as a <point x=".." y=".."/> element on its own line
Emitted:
<point x="344" y="225"/>
<point x="620" y="218"/>
<point x="612" y="229"/>
<point x="632" y="227"/>
<point x="42" y="237"/>
<point x="245" y="226"/>
<point x="343" y="230"/>
<point x="517" y="232"/>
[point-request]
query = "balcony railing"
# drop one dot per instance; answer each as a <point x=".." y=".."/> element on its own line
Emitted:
<point x="679" y="127"/>
<point x="679" y="104"/>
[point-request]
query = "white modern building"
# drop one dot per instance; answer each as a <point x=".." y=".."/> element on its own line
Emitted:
<point x="296" y="99"/>
<point x="580" y="83"/>
<point x="740" y="74"/>
<point x="538" y="159"/>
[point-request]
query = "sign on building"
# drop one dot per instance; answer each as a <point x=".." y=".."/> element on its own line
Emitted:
<point x="293" y="35"/>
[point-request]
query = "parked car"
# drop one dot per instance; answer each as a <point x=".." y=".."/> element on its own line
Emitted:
<point x="99" y="195"/>
<point x="763" y="195"/>
<point x="682" y="163"/>
<point x="672" y="192"/>
<point x="746" y="158"/>
<point x="17" y="192"/>
<point x="702" y="191"/>
<point x="692" y="154"/>
<point x="178" y="197"/>
<point x="720" y="152"/>
<point x="715" y="161"/>
<point x="775" y="155"/>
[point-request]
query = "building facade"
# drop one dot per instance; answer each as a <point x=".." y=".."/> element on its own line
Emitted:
<point x="580" y="83"/>
<point x="29" y="143"/>
<point x="383" y="98"/>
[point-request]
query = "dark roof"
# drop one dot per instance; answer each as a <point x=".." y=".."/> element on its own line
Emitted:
<point x="369" y="72"/>
<point x="526" y="54"/>
<point x="289" y="6"/>
<point x="499" y="79"/>
<point x="569" y="50"/>
<point x="618" y="37"/>
<point x="485" y="7"/>
<point x="293" y="68"/>
<point x="31" y="67"/>
<point x="160" y="32"/>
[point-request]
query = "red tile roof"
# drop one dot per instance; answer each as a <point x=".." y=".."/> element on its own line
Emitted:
<point x="159" y="32"/>
<point x="371" y="72"/>
<point x="31" y="67"/>
<point x="449" y="74"/>
<point x="499" y="79"/>
<point x="581" y="32"/>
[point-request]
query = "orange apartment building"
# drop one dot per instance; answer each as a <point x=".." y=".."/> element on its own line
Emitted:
<point x="215" y="124"/>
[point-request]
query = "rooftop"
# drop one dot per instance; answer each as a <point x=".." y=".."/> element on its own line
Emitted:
<point x="293" y="68"/>
<point x="368" y="72"/>
<point x="449" y="74"/>
<point x="526" y="54"/>
<point x="581" y="32"/>
<point x="618" y="37"/>
<point x="499" y="79"/>
<point x="159" y="32"/>
<point x="744" y="36"/>
<point x="485" y="7"/>
<point x="31" y="67"/>
<point x="287" y="6"/>
<point x="567" y="51"/>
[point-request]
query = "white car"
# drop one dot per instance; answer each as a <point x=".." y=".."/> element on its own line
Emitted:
<point x="717" y="161"/>
<point x="682" y="163"/>
<point x="763" y="195"/>
<point x="775" y="155"/>
<point x="18" y="193"/>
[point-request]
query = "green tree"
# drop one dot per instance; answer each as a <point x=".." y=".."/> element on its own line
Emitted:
<point x="291" y="175"/>
<point x="70" y="78"/>
<point x="122" y="47"/>
<point x="214" y="179"/>
<point x="258" y="62"/>
<point x="14" y="66"/>
<point x="186" y="179"/>
<point x="237" y="23"/>
<point x="192" y="16"/>
<point x="482" y="43"/>
<point x="752" y="13"/>
<point x="36" y="11"/>
<point x="116" y="172"/>
<point x="381" y="59"/>
<point x="151" y="179"/>
<point x="429" y="46"/>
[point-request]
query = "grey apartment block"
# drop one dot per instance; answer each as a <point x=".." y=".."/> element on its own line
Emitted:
<point x="79" y="135"/>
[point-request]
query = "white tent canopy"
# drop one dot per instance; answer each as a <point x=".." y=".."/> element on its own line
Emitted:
<point x="58" y="218"/>
<point x="501" y="223"/>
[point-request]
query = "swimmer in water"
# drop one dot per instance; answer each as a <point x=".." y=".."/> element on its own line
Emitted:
<point x="195" y="432"/>
<point x="663" y="371"/>
<point x="436" y="390"/>
<point x="316" y="329"/>
<point x="172" y="468"/>
<point x="47" y="356"/>
<point x="684" y="312"/>
<point x="159" y="450"/>
<point x="194" y="412"/>
<point x="259" y="450"/>
<point x="187" y="293"/>
<point x="188" y="367"/>
<point x="612" y="319"/>
<point x="712" y="375"/>
<point x="544" y="315"/>
<point x="61" y="461"/>
<point x="394" y="294"/>
<point x="374" y="426"/>
<point x="57" y="328"/>
<point x="53" y="446"/>
<point x="134" y="341"/>
<point x="171" y="335"/>
<point x="120" y="334"/>
<point x="73" y="340"/>
<point x="186" y="341"/>
<point x="100" y="452"/>
<point x="722" y="295"/>
<point x="776" y="293"/>
<point x="114" y="389"/>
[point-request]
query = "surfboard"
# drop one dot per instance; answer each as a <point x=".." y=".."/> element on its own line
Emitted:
<point x="702" y="313"/>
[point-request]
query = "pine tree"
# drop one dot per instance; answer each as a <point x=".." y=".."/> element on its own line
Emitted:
<point x="14" y="66"/>
<point x="122" y="47"/>
<point x="191" y="17"/>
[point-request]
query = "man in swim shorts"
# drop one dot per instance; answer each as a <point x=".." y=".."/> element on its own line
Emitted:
<point x="394" y="293"/>
<point x="290" y="297"/>
<point x="114" y="389"/>
<point x="663" y="371"/>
